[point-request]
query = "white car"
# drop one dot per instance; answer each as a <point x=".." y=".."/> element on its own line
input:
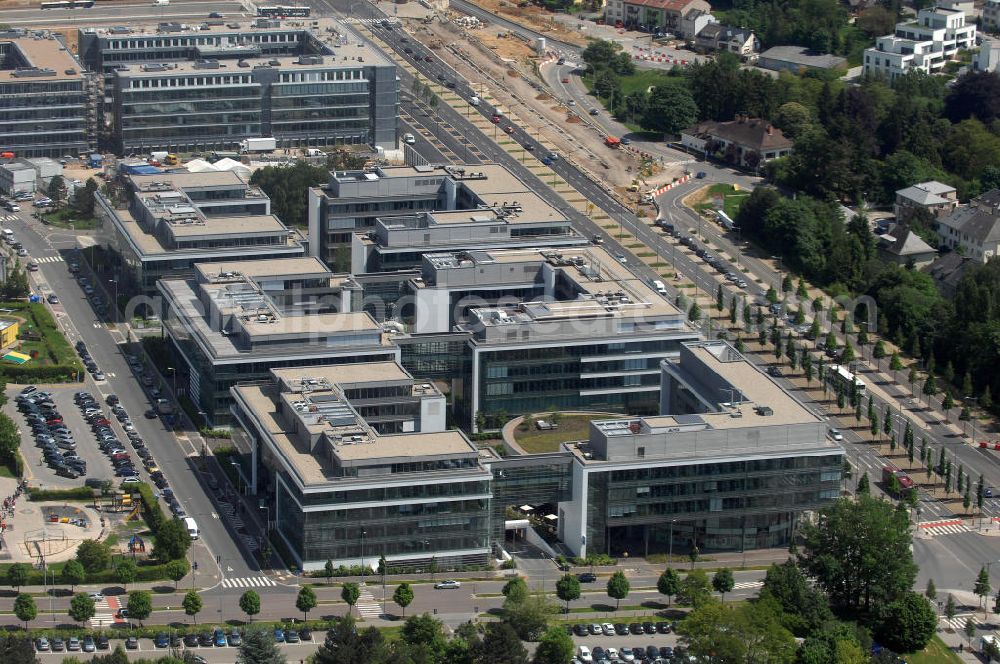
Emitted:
<point x="611" y="653"/>
<point x="448" y="585"/>
<point x="608" y="629"/>
<point x="836" y="435"/>
<point x="585" y="656"/>
<point x="97" y="597"/>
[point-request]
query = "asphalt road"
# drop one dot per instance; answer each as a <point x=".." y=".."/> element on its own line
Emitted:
<point x="177" y="460"/>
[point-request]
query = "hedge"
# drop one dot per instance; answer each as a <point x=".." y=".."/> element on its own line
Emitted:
<point x="150" y="508"/>
<point x="150" y="631"/>
<point x="76" y="493"/>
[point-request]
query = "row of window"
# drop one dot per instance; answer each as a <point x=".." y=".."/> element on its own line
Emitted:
<point x="202" y="40"/>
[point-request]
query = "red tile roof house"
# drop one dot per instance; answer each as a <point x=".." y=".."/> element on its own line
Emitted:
<point x="746" y="142"/>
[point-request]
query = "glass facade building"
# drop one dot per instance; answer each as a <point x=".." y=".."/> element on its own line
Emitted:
<point x="43" y="98"/>
<point x="182" y="90"/>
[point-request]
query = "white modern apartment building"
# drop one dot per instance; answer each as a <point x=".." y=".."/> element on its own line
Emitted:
<point x="923" y="44"/>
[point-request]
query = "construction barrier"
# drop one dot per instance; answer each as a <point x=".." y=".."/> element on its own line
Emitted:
<point x="667" y="187"/>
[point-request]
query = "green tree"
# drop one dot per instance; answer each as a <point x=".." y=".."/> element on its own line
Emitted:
<point x="350" y="593"/>
<point x="500" y="645"/>
<point x="714" y="632"/>
<point x="172" y="541"/>
<point x="83" y="198"/>
<point x="720" y="295"/>
<point x="864" y="486"/>
<point x="288" y="188"/>
<point x="515" y="590"/>
<point x="529" y="617"/>
<point x="618" y="587"/>
<point x="947" y="404"/>
<point x="425" y="633"/>
<point x="970" y="630"/>
<point x="907" y="624"/>
<point x="176" y="570"/>
<point x="56" y="190"/>
<point x="848" y="355"/>
<point x="139" y="605"/>
<point x="669" y="583"/>
<point x="17" y="575"/>
<point x="556" y="647"/>
<point x="258" y="647"/>
<point x="694" y="313"/>
<point x="568" y="589"/>
<point x="82" y="608"/>
<point x="931" y="591"/>
<point x="669" y="109"/>
<point x="982" y="586"/>
<point x="950" y="608"/>
<point x="73" y="574"/>
<point x="859" y="552"/>
<point x="930" y="385"/>
<point x="403" y="596"/>
<point x="250" y="604"/>
<point x="804" y="608"/>
<point x="25" y="609"/>
<point x="328" y="570"/>
<point x="305" y="601"/>
<point x="192" y="604"/>
<point x="695" y="589"/>
<point x="93" y="555"/>
<point x="126" y="572"/>
<point x="723" y="581"/>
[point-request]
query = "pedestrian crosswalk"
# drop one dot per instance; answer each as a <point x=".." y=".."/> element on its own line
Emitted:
<point x="8" y="217"/>
<point x="367" y="606"/>
<point x="947" y="527"/>
<point x="50" y="259"/>
<point x="104" y="613"/>
<point x="248" y="582"/>
<point x="958" y="622"/>
<point x="748" y="585"/>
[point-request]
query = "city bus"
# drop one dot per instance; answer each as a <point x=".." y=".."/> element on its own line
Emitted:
<point x="282" y="10"/>
<point x="68" y="4"/>
<point x="838" y="374"/>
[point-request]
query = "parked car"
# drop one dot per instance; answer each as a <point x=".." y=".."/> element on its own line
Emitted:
<point x="448" y="585"/>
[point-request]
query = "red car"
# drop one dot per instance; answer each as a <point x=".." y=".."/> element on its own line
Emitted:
<point x="428" y="58"/>
<point x="495" y="119"/>
<point x="565" y="80"/>
<point x="509" y="129"/>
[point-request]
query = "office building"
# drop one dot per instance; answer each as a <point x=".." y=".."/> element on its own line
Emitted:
<point x="44" y="93"/>
<point x="974" y="229"/>
<point x="186" y="88"/>
<point x="357" y="464"/>
<point x="385" y="218"/>
<point x="234" y="322"/>
<point x="925" y="44"/>
<point x="730" y="465"/>
<point x="164" y="223"/>
<point x="542" y="329"/>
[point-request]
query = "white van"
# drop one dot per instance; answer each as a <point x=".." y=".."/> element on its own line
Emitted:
<point x="474" y="101"/>
<point x="660" y="287"/>
<point x="409" y="139"/>
<point x="192" y="527"/>
<point x="8" y="235"/>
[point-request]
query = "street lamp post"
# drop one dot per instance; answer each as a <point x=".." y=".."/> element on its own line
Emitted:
<point x="363" y="533"/>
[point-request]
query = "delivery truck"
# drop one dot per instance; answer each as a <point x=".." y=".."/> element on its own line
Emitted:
<point x="258" y="145"/>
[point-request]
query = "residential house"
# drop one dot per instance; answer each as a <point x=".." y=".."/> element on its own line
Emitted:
<point x="973" y="230"/>
<point x="935" y="197"/>
<point x="694" y="22"/>
<point x="991" y="15"/>
<point x="925" y="44"/>
<point x="904" y="247"/>
<point x="988" y="57"/>
<point x="748" y="142"/>
<point x="718" y="37"/>
<point x="652" y="15"/>
<point x="947" y="271"/>
<point x="797" y="59"/>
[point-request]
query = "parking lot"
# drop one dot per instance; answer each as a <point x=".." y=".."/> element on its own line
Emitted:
<point x="42" y="475"/>
<point x="625" y="642"/>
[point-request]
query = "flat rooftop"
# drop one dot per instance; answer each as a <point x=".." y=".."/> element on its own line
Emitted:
<point x="325" y="324"/>
<point x="187" y="180"/>
<point x="242" y="225"/>
<point x="340" y="374"/>
<point x="43" y="53"/>
<point x="408" y="445"/>
<point x="346" y="44"/>
<point x="256" y="269"/>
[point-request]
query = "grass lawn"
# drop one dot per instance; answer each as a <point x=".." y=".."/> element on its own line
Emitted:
<point x="642" y="79"/>
<point x="571" y="427"/>
<point x="731" y="199"/>
<point x="936" y="652"/>
<point x="51" y="345"/>
<point x="67" y="217"/>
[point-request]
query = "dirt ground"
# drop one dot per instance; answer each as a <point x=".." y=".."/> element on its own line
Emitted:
<point x="554" y="122"/>
<point x="533" y="17"/>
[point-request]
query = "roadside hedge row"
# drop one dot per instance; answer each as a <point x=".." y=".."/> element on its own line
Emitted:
<point x="149" y="632"/>
<point x="151" y="508"/>
<point x="76" y="493"/>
